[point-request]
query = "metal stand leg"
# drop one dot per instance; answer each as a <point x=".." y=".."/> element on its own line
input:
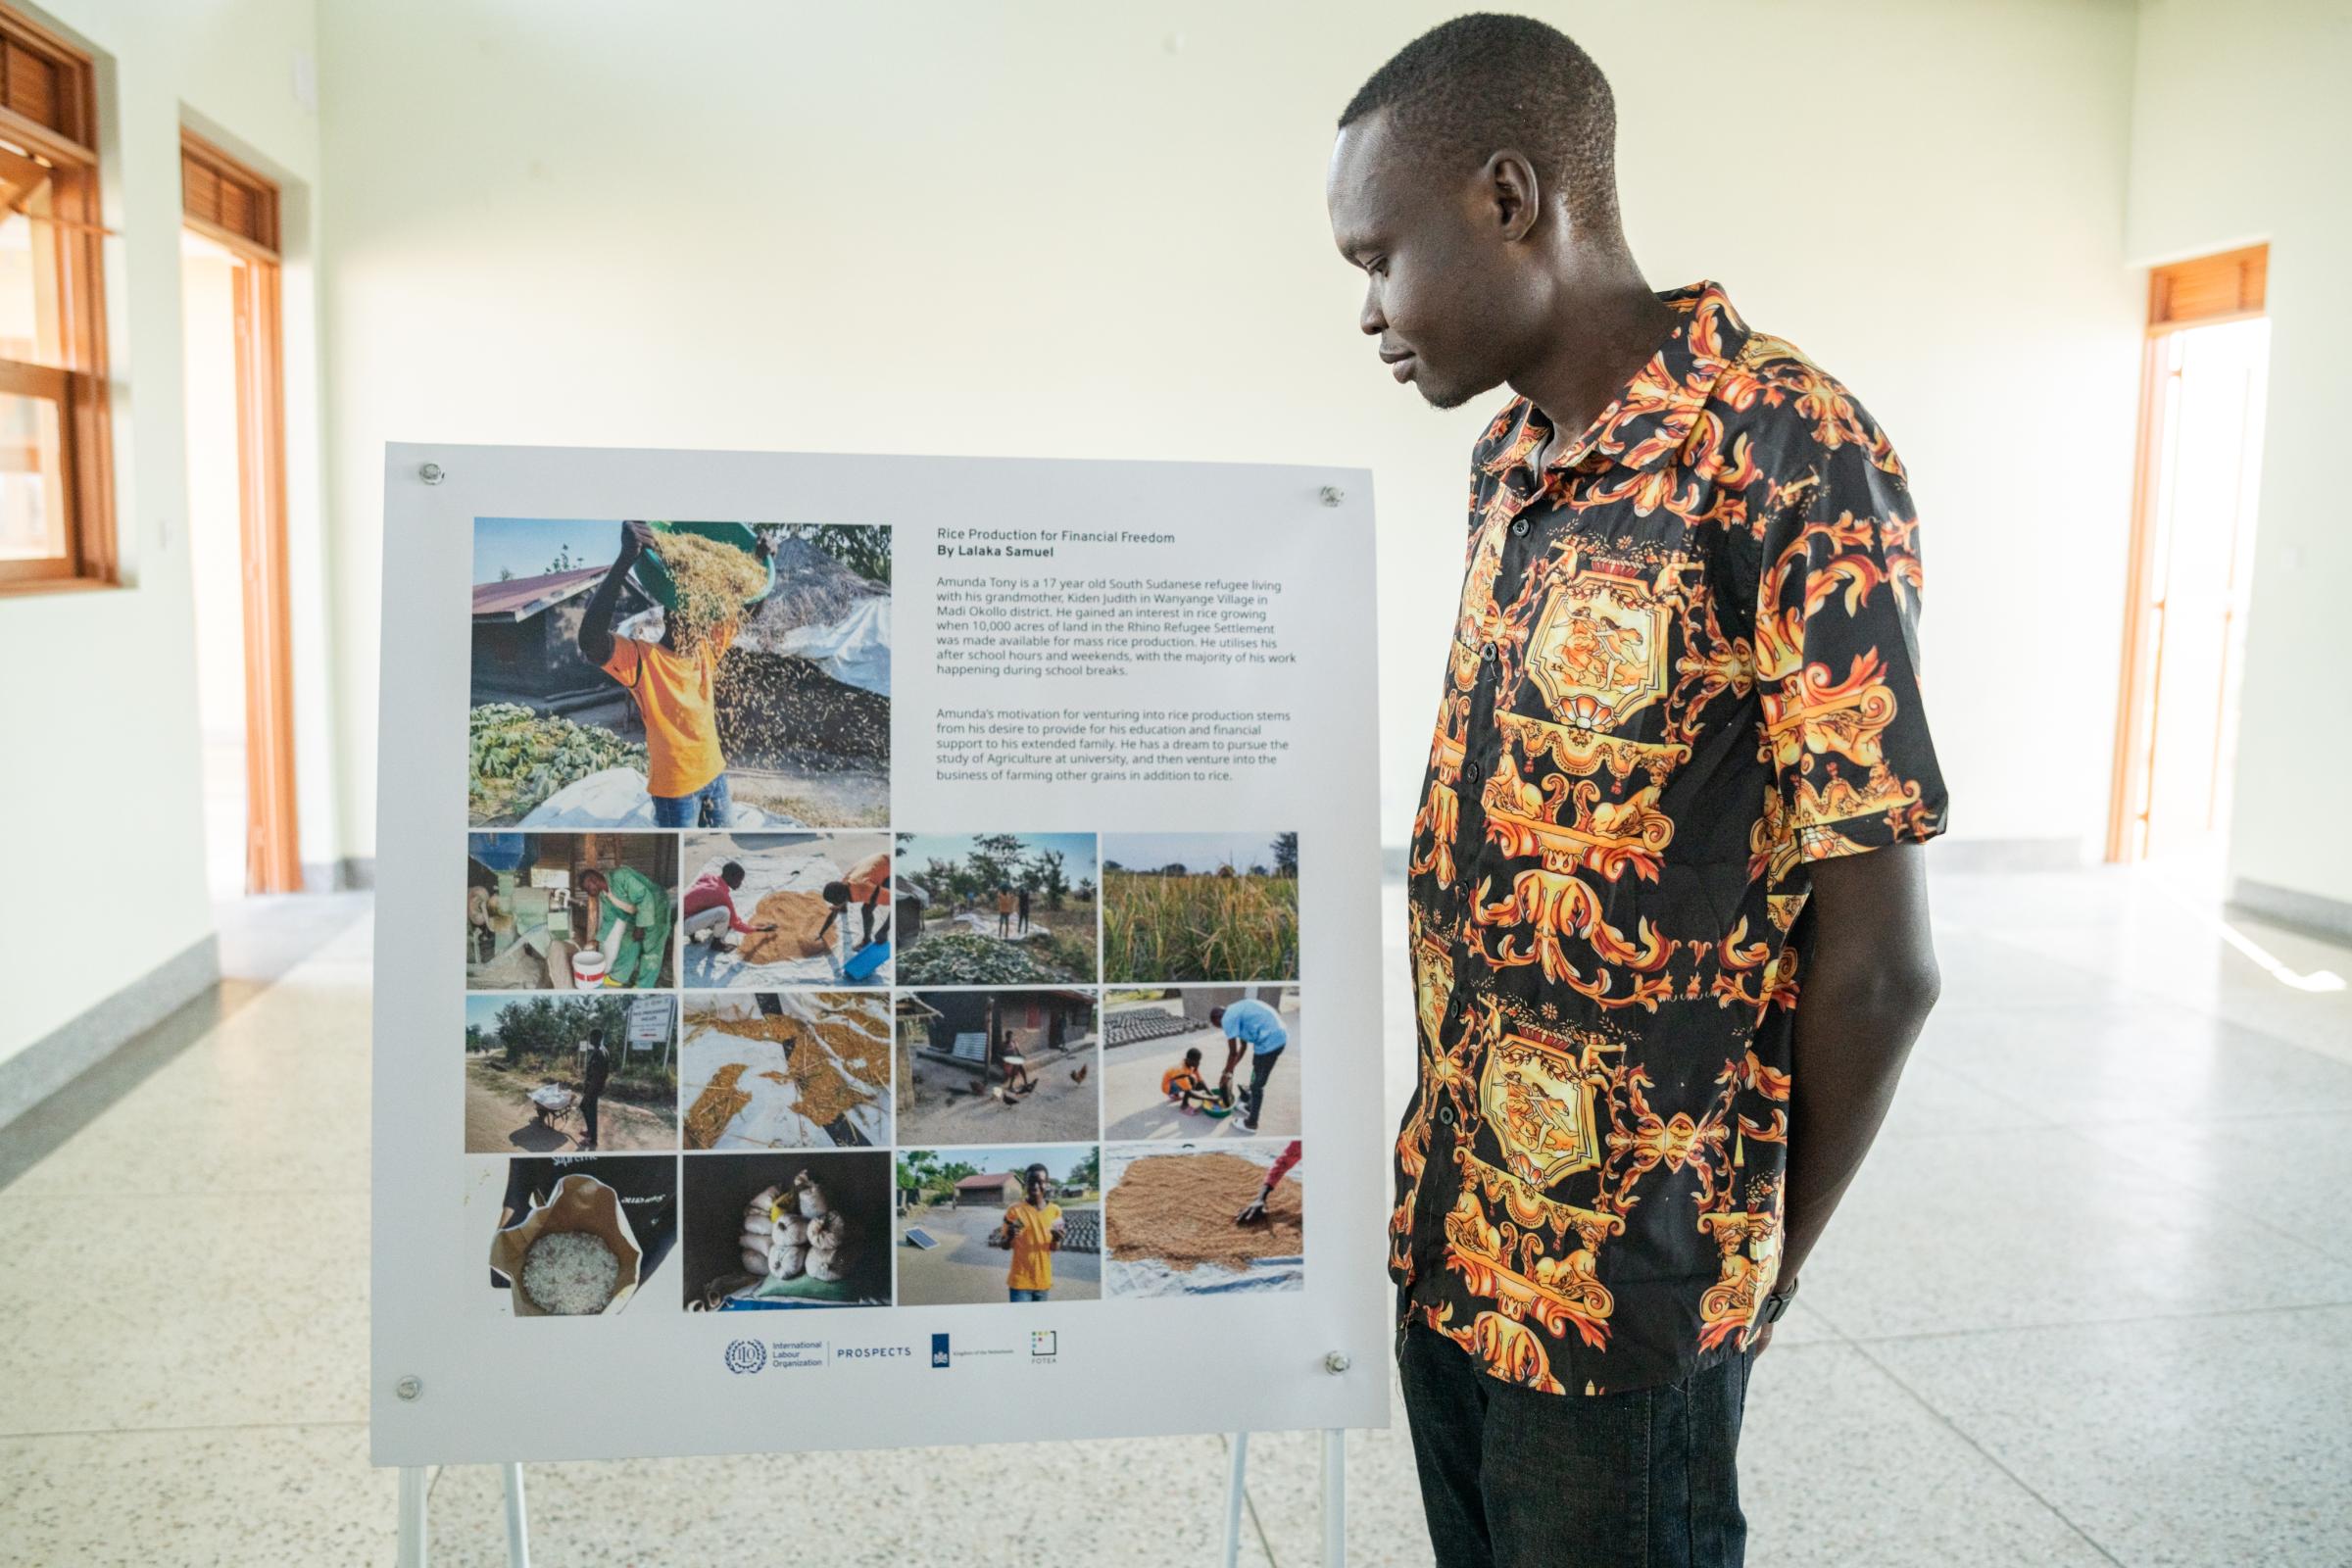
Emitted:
<point x="1236" y="1479"/>
<point x="412" y="1551"/>
<point x="1334" y="1498"/>
<point x="518" y="1529"/>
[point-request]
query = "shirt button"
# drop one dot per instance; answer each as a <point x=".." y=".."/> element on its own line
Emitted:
<point x="1445" y="1115"/>
<point x="1519" y="527"/>
<point x="1486" y="653"/>
<point x="1471" y="773"/>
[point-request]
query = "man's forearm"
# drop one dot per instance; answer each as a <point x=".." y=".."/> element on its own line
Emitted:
<point x="596" y="622"/>
<point x="1855" y="1024"/>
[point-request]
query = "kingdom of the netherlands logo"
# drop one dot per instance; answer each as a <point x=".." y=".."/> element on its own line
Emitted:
<point x="939" y="1350"/>
<point x="746" y="1355"/>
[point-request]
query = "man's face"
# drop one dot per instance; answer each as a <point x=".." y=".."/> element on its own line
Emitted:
<point x="593" y="884"/>
<point x="1447" y="294"/>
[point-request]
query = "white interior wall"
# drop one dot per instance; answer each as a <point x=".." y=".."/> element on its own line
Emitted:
<point x="1081" y="229"/>
<point x="2241" y="126"/>
<point x="101" y="786"/>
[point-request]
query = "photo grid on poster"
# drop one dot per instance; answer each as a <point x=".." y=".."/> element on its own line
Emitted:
<point x="658" y="708"/>
<point x="735" y="1040"/>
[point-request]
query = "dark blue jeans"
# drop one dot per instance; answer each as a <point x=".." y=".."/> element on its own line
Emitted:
<point x="707" y="806"/>
<point x="1261" y="1071"/>
<point x="1513" y="1478"/>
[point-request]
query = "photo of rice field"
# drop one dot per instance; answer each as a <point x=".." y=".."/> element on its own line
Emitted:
<point x="1209" y="907"/>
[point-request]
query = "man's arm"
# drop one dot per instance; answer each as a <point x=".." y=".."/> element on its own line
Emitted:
<point x="596" y="623"/>
<point x="1865" y="990"/>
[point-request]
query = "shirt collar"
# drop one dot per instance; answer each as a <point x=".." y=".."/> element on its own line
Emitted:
<point x="1653" y="414"/>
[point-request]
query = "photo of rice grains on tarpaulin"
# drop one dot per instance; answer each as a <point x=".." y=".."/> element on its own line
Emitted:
<point x="789" y="1069"/>
<point x="767" y="909"/>
<point x="1201" y="1222"/>
<point x="679" y="675"/>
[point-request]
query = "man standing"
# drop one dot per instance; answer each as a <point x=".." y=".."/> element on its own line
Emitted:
<point x="1032" y="1229"/>
<point x="864" y="885"/>
<point x="1253" y="1025"/>
<point x="594" y="1071"/>
<point x="635" y="933"/>
<point x="675" y="691"/>
<point x="1666" y="905"/>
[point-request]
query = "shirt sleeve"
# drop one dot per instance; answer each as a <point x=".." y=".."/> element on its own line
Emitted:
<point x="1837" y="651"/>
<point x="623" y="662"/>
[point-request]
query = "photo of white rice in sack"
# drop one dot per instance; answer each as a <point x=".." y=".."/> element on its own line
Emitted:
<point x="574" y="1254"/>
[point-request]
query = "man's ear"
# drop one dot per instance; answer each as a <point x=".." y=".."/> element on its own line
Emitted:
<point x="1513" y="193"/>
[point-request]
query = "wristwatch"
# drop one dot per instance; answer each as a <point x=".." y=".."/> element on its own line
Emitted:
<point x="1776" y="1304"/>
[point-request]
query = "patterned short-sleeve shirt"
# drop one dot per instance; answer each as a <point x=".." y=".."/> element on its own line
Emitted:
<point x="1684" y="668"/>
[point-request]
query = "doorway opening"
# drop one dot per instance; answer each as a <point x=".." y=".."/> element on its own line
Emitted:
<point x="235" y="412"/>
<point x="2191" y="558"/>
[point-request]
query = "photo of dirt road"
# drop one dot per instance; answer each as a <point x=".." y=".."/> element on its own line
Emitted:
<point x="532" y="1086"/>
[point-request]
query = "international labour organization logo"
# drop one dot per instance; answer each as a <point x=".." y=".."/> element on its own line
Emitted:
<point x="746" y="1355"/>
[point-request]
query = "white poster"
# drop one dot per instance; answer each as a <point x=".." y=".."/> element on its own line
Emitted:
<point x="984" y="855"/>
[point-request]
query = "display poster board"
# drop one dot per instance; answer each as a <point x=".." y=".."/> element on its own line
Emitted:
<point x="1000" y="837"/>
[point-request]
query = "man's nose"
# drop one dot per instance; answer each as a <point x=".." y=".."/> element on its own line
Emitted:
<point x="1371" y="320"/>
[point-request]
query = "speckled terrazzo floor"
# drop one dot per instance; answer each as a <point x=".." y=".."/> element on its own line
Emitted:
<point x="2088" y="1305"/>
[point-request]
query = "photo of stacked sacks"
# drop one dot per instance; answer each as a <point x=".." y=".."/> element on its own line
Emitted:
<point x="778" y="1231"/>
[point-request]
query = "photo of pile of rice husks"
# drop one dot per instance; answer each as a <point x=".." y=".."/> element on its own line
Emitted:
<point x="760" y="650"/>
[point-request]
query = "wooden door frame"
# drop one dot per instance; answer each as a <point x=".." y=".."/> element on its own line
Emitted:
<point x="272" y="827"/>
<point x="2217" y="302"/>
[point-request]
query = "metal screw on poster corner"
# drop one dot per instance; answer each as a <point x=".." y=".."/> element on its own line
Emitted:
<point x="413" y="1490"/>
<point x="1334" y="1482"/>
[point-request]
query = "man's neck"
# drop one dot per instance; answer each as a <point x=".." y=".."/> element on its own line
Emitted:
<point x="1617" y="325"/>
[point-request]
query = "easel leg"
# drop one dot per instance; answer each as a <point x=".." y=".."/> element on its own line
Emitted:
<point x="1334" y="1498"/>
<point x="411" y="1553"/>
<point x="518" y="1530"/>
<point x="1235" y="1480"/>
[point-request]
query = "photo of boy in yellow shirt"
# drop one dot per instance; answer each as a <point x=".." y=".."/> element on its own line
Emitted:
<point x="1032" y="1230"/>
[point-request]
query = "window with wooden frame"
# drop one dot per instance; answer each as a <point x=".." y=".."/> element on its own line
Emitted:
<point x="57" y="525"/>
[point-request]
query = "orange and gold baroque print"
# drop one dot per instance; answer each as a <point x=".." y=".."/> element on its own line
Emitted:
<point x="1684" y="666"/>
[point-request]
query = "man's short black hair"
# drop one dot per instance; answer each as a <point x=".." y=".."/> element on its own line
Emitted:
<point x="1468" y="89"/>
<point x="731" y="874"/>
